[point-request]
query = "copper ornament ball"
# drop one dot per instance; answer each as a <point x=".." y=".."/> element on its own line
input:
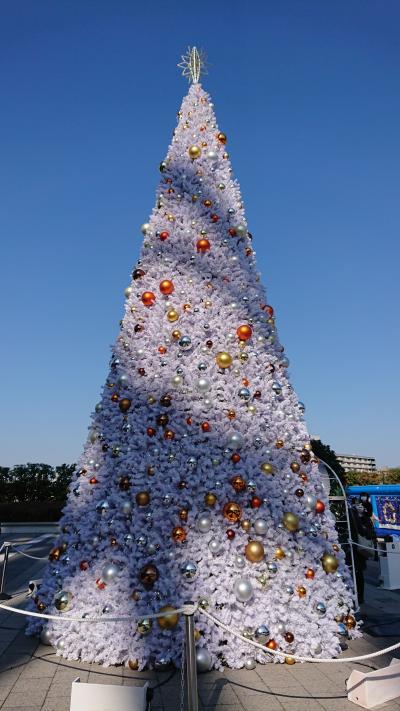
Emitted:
<point x="179" y="534"/>
<point x="148" y="575"/>
<point x="232" y="511"/>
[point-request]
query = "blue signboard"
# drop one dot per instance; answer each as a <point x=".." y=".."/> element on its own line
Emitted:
<point x="385" y="500"/>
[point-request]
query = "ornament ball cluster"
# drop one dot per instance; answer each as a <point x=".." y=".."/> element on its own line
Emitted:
<point x="197" y="480"/>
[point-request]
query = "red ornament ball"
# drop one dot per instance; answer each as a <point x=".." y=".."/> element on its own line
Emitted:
<point x="289" y="637"/>
<point x="214" y="218"/>
<point x="255" y="502"/>
<point x="138" y="274"/>
<point x="230" y="534"/>
<point x="148" y="298"/>
<point x="84" y="565"/>
<point x="319" y="507"/>
<point x="150" y="431"/>
<point x="235" y="458"/>
<point x="206" y="427"/>
<point x="166" y="287"/>
<point x="100" y="584"/>
<point x="164" y="235"/>
<point x="244" y="332"/>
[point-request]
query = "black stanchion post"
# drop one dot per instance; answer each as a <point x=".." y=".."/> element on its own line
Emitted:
<point x="3" y="594"/>
<point x="191" y="668"/>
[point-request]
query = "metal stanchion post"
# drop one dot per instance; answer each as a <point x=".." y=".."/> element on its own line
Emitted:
<point x="3" y="594"/>
<point x="191" y="668"/>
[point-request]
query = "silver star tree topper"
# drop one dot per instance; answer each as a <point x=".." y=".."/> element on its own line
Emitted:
<point x="193" y="64"/>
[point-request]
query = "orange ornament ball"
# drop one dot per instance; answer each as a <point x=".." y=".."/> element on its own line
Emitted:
<point x="244" y="332"/>
<point x="148" y="298"/>
<point x="166" y="287"/>
<point x="203" y="245"/>
<point x="221" y="137"/>
<point x="232" y="511"/>
<point x="271" y="644"/>
<point x="310" y="573"/>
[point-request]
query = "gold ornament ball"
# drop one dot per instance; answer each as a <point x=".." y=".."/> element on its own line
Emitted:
<point x="245" y="524"/>
<point x="290" y="521"/>
<point x="197" y="635"/>
<point x="125" y="404"/>
<point x="290" y="660"/>
<point x="223" y="359"/>
<point x="279" y="553"/>
<point x="329" y="563"/>
<point x="350" y="622"/>
<point x="143" y="498"/>
<point x="295" y="467"/>
<point x="267" y="468"/>
<point x="194" y="152"/>
<point x="176" y="335"/>
<point x="133" y="664"/>
<point x="172" y="315"/>
<point x="210" y="499"/>
<point x="169" y="621"/>
<point x="254" y="551"/>
<point x="301" y="591"/>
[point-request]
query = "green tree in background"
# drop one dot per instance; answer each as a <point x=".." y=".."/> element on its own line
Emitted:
<point x="324" y="452"/>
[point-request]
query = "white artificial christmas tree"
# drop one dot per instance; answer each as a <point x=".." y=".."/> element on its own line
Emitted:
<point x="197" y="480"/>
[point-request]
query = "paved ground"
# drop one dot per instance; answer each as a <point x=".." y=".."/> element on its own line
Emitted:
<point x="32" y="678"/>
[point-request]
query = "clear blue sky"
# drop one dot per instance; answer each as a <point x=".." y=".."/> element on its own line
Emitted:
<point x="308" y="94"/>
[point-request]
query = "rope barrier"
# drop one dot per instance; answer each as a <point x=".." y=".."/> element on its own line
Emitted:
<point x="27" y="555"/>
<point x="277" y="652"/>
<point x="190" y="609"/>
<point x="185" y="609"/>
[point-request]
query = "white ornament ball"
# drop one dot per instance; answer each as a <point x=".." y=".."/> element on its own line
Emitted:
<point x="240" y="561"/>
<point x="204" y="522"/>
<point x="203" y="660"/>
<point x="250" y="663"/>
<point x="45" y="637"/>
<point x="203" y="385"/>
<point x="260" y="526"/>
<point x="235" y="441"/>
<point x="243" y="589"/>
<point x="212" y="156"/>
<point x="215" y="546"/>
<point x="109" y="572"/>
